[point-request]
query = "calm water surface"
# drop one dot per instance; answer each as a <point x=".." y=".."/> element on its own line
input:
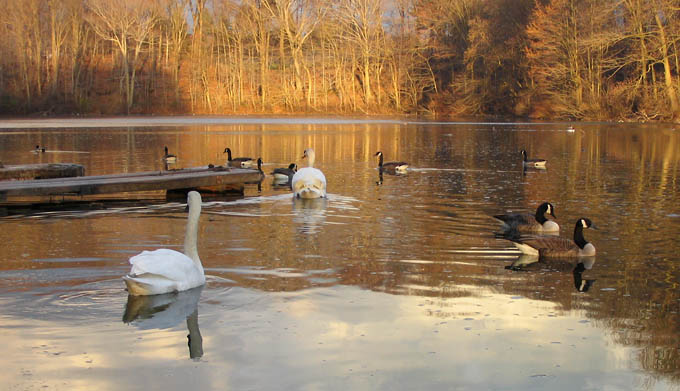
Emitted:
<point x="393" y="282"/>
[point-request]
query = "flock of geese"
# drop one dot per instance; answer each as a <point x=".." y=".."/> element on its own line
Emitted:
<point x="164" y="270"/>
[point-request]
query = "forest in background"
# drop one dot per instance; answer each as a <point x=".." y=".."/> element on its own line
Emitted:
<point x="547" y="59"/>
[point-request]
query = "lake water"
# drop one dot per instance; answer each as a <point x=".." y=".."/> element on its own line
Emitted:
<point x="393" y="282"/>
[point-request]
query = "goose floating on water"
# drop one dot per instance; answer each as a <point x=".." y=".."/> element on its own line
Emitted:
<point x="164" y="270"/>
<point x="540" y="163"/>
<point x="259" y="168"/>
<point x="309" y="182"/>
<point x="168" y="157"/>
<point x="391" y="167"/>
<point x="238" y="161"/>
<point x="527" y="222"/>
<point x="284" y="173"/>
<point x="558" y="247"/>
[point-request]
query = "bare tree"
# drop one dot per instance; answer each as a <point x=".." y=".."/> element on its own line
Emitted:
<point x="362" y="29"/>
<point x="127" y="24"/>
<point x="297" y="20"/>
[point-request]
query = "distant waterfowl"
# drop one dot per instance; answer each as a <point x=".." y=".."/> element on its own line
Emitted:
<point x="163" y="270"/>
<point x="284" y="173"/>
<point x="39" y="149"/>
<point x="527" y="222"/>
<point x="570" y="129"/>
<point x="540" y="163"/>
<point x="391" y="167"/>
<point x="168" y="157"/>
<point x="558" y="247"/>
<point x="259" y="168"/>
<point x="309" y="182"/>
<point x="238" y="161"/>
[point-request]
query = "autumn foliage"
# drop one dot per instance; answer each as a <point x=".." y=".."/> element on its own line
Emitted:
<point x="556" y="59"/>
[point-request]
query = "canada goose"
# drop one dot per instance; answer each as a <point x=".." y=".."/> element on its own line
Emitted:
<point x="532" y="162"/>
<point x="558" y="247"/>
<point x="309" y="182"/>
<point x="168" y="157"/>
<point x="39" y="149"/>
<point x="259" y="168"/>
<point x="391" y="167"/>
<point x="238" y="161"/>
<point x="527" y="222"/>
<point x="164" y="270"/>
<point x="284" y="173"/>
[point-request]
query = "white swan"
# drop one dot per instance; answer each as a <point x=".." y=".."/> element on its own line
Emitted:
<point x="309" y="182"/>
<point x="163" y="270"/>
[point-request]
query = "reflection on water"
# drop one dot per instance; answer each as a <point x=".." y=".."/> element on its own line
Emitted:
<point x="310" y="214"/>
<point x="166" y="311"/>
<point x="577" y="267"/>
<point x="394" y="281"/>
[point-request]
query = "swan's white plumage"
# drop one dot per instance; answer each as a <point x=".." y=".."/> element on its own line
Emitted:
<point x="164" y="270"/>
<point x="309" y="182"/>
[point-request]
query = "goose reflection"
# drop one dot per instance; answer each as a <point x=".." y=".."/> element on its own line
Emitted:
<point x="166" y="311"/>
<point x="310" y="213"/>
<point x="533" y="263"/>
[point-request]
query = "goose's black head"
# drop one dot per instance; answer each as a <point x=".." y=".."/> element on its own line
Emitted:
<point x="292" y="167"/>
<point x="547" y="208"/>
<point x="524" y="155"/>
<point x="586" y="223"/>
<point x="378" y="153"/>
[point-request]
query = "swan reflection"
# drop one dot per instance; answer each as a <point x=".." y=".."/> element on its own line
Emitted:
<point x="529" y="263"/>
<point x="166" y="311"/>
<point x="310" y="213"/>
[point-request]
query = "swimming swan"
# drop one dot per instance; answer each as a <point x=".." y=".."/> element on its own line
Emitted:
<point x="558" y="247"/>
<point x="163" y="270"/>
<point x="391" y="167"/>
<point x="527" y="222"/>
<point x="238" y="161"/>
<point x="309" y="182"/>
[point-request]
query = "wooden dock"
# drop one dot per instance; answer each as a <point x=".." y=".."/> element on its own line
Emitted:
<point x="41" y="171"/>
<point x="205" y="179"/>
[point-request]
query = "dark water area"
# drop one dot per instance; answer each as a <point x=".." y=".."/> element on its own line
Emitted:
<point x="392" y="282"/>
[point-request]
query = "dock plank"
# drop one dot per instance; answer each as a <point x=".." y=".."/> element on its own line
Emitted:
<point x="193" y="178"/>
<point x="40" y="171"/>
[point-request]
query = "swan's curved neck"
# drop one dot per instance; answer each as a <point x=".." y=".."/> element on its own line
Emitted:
<point x="578" y="236"/>
<point x="191" y="234"/>
<point x="310" y="158"/>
